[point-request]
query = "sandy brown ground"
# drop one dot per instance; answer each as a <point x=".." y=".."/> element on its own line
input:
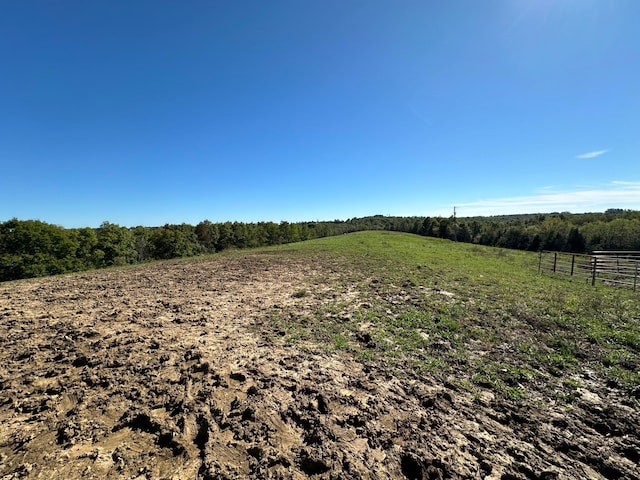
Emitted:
<point x="175" y="371"/>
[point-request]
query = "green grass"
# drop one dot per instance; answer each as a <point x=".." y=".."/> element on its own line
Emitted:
<point x="482" y="316"/>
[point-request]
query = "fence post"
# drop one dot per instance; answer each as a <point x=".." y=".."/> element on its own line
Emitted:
<point x="635" y="278"/>
<point x="595" y="268"/>
<point x="555" y="261"/>
<point x="540" y="262"/>
<point x="573" y="262"/>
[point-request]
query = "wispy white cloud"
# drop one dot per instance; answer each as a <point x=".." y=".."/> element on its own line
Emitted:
<point x="631" y="185"/>
<point x="592" y="154"/>
<point x="617" y="194"/>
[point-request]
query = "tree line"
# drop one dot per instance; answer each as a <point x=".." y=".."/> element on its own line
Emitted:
<point x="615" y="229"/>
<point x="32" y="248"/>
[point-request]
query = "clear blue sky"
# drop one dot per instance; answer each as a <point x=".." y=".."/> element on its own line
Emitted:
<point x="150" y="112"/>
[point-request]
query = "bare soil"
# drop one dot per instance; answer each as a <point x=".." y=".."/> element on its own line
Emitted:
<point x="178" y="371"/>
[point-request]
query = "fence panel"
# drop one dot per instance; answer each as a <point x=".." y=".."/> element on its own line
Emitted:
<point x="620" y="268"/>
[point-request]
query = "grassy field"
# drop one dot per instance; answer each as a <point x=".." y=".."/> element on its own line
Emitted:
<point x="480" y="318"/>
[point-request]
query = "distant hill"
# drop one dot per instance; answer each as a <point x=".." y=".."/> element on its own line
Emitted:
<point x="32" y="248"/>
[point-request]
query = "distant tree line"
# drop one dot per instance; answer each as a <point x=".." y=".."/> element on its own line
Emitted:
<point x="31" y="248"/>
<point x="615" y="229"/>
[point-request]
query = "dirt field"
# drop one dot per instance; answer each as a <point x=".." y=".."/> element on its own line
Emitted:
<point x="176" y="371"/>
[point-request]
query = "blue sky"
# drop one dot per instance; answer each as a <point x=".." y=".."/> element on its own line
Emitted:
<point x="152" y="112"/>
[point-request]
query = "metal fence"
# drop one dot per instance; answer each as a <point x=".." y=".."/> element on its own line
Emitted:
<point x="619" y="268"/>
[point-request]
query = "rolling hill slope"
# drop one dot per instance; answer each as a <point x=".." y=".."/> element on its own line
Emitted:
<point x="369" y="355"/>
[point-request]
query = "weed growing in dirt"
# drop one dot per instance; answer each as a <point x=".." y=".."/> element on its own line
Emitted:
<point x="300" y="293"/>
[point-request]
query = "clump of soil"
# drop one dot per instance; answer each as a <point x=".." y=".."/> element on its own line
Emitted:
<point x="176" y="371"/>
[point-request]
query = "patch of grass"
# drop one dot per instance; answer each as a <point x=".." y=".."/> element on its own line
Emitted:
<point x="300" y="293"/>
<point x="572" y="383"/>
<point x="516" y="393"/>
<point x="340" y="341"/>
<point x="466" y="385"/>
<point x="469" y="312"/>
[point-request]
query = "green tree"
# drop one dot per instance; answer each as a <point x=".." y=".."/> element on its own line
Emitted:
<point x="87" y="241"/>
<point x="464" y="235"/>
<point x="173" y="241"/>
<point x="226" y="238"/>
<point x="31" y="248"/>
<point x="208" y="235"/>
<point x="116" y="245"/>
<point x="289" y="232"/>
<point x="272" y="233"/>
<point x="575" y="241"/>
<point x="240" y="235"/>
<point x="143" y="245"/>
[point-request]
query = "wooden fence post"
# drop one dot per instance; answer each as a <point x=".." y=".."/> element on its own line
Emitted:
<point x="573" y="262"/>
<point x="540" y="262"/>
<point x="555" y="261"/>
<point x="595" y="269"/>
<point x="635" y="278"/>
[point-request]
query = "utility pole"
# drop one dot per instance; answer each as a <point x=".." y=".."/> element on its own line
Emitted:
<point x="455" y="226"/>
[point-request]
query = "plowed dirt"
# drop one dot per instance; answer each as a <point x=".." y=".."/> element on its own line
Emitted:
<point x="177" y="371"/>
